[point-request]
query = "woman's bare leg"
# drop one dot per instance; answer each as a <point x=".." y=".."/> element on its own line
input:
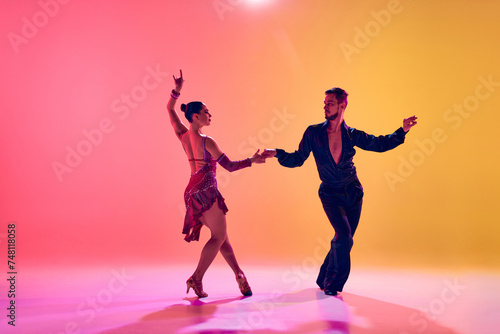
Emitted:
<point x="227" y="252"/>
<point x="215" y="220"/>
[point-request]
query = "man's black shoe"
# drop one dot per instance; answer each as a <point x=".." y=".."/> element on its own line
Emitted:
<point x="330" y="292"/>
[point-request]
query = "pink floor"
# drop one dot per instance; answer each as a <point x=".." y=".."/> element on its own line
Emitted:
<point x="285" y="300"/>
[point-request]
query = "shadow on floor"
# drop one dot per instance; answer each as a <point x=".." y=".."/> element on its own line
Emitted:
<point x="304" y="311"/>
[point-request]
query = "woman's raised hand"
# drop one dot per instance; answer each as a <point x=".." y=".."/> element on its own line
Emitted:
<point x="179" y="81"/>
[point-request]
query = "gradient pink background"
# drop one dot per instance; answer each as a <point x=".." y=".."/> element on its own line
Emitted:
<point x="251" y="63"/>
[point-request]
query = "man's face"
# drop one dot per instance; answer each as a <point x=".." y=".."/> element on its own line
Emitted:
<point x="332" y="108"/>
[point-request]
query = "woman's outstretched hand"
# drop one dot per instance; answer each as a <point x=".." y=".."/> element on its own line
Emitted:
<point x="179" y="81"/>
<point x="257" y="158"/>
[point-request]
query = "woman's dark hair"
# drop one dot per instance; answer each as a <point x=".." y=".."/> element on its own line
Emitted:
<point x="190" y="109"/>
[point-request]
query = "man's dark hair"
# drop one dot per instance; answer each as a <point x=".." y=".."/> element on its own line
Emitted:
<point x="339" y="93"/>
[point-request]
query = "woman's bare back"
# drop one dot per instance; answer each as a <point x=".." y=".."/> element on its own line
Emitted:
<point x="193" y="146"/>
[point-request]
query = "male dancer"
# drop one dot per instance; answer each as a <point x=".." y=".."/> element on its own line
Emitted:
<point x="341" y="193"/>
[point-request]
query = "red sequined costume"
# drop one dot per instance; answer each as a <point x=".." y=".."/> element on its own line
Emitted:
<point x="201" y="192"/>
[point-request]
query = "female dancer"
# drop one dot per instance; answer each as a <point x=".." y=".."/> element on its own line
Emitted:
<point x="201" y="193"/>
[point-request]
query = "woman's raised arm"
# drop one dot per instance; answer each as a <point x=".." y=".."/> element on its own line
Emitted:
<point x="177" y="124"/>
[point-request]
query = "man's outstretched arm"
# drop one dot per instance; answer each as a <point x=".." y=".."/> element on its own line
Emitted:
<point x="383" y="143"/>
<point x="295" y="159"/>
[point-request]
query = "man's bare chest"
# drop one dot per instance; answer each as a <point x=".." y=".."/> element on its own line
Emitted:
<point x="335" y="145"/>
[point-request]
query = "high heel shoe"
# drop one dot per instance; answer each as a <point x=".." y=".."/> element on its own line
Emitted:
<point x="243" y="285"/>
<point x="196" y="286"/>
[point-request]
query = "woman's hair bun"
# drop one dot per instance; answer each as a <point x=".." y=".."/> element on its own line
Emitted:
<point x="183" y="107"/>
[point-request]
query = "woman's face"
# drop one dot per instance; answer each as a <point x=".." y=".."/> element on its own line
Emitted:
<point x="204" y="116"/>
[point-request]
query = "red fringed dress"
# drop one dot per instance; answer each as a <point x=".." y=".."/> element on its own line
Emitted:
<point x="201" y="192"/>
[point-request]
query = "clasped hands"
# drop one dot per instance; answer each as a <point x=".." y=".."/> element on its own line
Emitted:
<point x="261" y="158"/>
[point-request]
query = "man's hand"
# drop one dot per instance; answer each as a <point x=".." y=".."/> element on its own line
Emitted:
<point x="409" y="122"/>
<point x="268" y="153"/>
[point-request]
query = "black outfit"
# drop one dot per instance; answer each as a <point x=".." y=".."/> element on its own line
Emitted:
<point x="340" y="191"/>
